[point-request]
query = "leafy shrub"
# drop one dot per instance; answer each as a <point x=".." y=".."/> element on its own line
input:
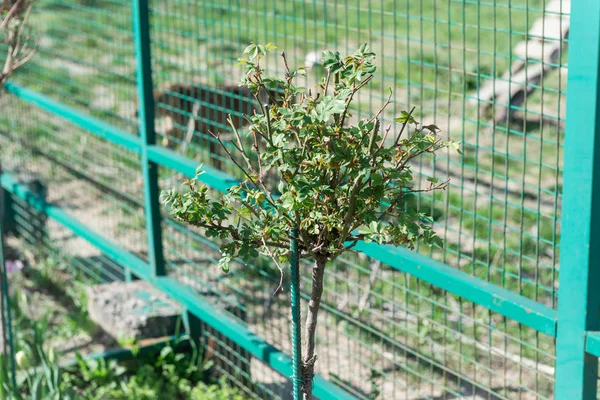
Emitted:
<point x="338" y="183"/>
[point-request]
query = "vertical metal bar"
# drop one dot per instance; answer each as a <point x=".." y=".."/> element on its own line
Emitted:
<point x="141" y="28"/>
<point x="38" y="218"/>
<point x="579" y="297"/>
<point x="7" y="213"/>
<point x="193" y="327"/>
<point x="295" y="305"/>
<point x="6" y="312"/>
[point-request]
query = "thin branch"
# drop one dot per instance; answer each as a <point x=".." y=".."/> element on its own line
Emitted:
<point x="373" y="139"/>
<point x="326" y="86"/>
<point x="247" y="159"/>
<point x="400" y="165"/>
<point x="265" y="111"/>
<point x="285" y="64"/>
<point x="24" y="60"/>
<point x="233" y="232"/>
<point x="22" y="26"/>
<point x="10" y="14"/>
<point x="18" y="52"/>
<point x="236" y="164"/>
<point x="383" y="107"/>
<point x="397" y="140"/>
<point x="280" y="286"/>
<point x="240" y="146"/>
<point x="351" y="97"/>
<point x="258" y="155"/>
<point x="351" y="207"/>
<point x="385" y="135"/>
<point x="431" y="188"/>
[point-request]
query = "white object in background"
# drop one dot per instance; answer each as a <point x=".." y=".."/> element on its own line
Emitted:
<point x="313" y="58"/>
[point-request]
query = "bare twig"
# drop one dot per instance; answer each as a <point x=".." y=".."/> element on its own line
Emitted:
<point x="13" y="29"/>
<point x="349" y="101"/>
<point x="285" y="64"/>
<point x="11" y="13"/>
<point x="258" y="154"/>
<point x="240" y="146"/>
<point x="280" y="286"/>
<point x="326" y="86"/>
<point x="22" y="28"/>
<point x="397" y="140"/>
<point x="218" y="138"/>
<point x="242" y="150"/>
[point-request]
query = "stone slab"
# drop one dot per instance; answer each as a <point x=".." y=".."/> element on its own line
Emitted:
<point x="132" y="310"/>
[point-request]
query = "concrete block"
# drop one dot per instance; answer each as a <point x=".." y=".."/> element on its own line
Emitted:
<point x="132" y="310"/>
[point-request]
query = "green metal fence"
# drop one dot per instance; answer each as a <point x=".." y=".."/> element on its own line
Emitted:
<point x="481" y="318"/>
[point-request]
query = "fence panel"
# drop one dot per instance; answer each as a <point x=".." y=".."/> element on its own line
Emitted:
<point x="476" y="319"/>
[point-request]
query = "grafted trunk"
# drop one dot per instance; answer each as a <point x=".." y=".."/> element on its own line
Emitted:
<point x="308" y="350"/>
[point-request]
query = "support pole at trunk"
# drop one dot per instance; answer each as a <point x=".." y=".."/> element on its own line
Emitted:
<point x="296" y="322"/>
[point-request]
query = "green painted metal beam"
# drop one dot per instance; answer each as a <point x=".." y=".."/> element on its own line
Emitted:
<point x="112" y="250"/>
<point x="213" y="177"/>
<point x="7" y="326"/>
<point x="592" y="344"/>
<point x="77" y="117"/>
<point x="141" y="33"/>
<point x="489" y="295"/>
<point x="578" y="296"/>
<point x="195" y="304"/>
<point x="476" y="290"/>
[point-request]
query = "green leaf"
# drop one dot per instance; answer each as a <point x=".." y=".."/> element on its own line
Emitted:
<point x="224" y="264"/>
<point x="199" y="170"/>
<point x="454" y="146"/>
<point x="405" y="118"/>
<point x="432" y="128"/>
<point x="376" y="178"/>
<point x="328" y="107"/>
<point x="364" y="230"/>
<point x="165" y="351"/>
<point x="250" y="48"/>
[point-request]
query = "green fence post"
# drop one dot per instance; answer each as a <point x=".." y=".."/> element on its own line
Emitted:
<point x="192" y="326"/>
<point x="6" y="312"/>
<point x="579" y="297"/>
<point x="7" y="212"/>
<point x="141" y="28"/>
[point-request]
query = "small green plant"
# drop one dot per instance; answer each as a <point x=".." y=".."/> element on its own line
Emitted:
<point x="170" y="375"/>
<point x="338" y="184"/>
<point x="44" y="380"/>
<point x="166" y="375"/>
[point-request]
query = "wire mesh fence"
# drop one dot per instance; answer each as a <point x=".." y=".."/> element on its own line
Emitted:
<point x="491" y="74"/>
